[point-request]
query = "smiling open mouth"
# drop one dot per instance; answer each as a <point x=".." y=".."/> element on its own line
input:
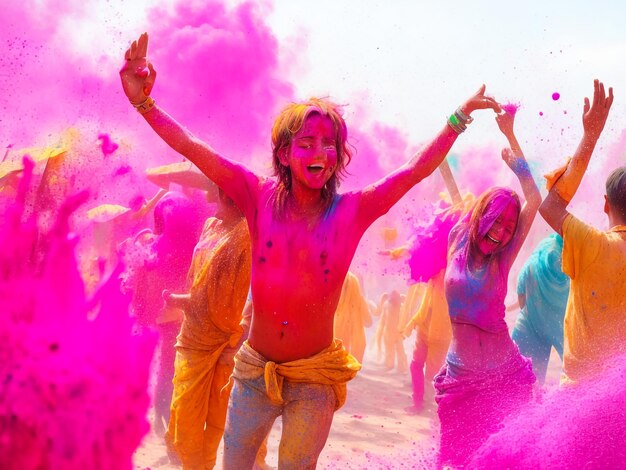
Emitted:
<point x="492" y="239"/>
<point x="317" y="168"/>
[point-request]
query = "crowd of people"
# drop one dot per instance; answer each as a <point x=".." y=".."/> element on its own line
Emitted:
<point x="293" y="363"/>
<point x="260" y="314"/>
<point x="304" y="301"/>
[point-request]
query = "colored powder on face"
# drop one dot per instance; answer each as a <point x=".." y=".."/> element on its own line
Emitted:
<point x="556" y="96"/>
<point x="228" y="66"/>
<point x="501" y="199"/>
<point x="73" y="376"/>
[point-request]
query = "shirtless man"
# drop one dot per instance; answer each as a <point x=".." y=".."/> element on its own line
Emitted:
<point x="304" y="236"/>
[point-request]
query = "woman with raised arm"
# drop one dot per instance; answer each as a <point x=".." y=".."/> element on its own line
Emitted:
<point x="485" y="377"/>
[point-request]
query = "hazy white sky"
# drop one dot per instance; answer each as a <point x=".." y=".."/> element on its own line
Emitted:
<point x="415" y="61"/>
<point x="409" y="63"/>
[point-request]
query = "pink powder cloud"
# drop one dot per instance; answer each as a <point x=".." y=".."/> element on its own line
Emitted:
<point x="74" y="387"/>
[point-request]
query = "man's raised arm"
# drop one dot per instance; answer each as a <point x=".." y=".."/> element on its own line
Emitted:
<point x="554" y="207"/>
<point x="138" y="77"/>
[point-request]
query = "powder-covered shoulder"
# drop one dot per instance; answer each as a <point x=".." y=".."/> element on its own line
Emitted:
<point x="348" y="201"/>
<point x="267" y="190"/>
<point x="456" y="232"/>
<point x="347" y="198"/>
<point x="267" y="183"/>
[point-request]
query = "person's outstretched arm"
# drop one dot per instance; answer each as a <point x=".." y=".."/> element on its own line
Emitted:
<point x="514" y="158"/>
<point x="379" y="197"/>
<point x="138" y="77"/>
<point x="554" y="207"/>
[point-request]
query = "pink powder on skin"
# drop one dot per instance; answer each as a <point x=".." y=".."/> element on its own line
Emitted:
<point x="232" y="87"/>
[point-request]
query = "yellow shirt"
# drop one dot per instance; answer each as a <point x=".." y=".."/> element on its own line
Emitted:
<point x="220" y="280"/>
<point x="595" y="318"/>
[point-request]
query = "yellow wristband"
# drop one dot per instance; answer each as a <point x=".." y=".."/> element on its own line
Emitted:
<point x="146" y="106"/>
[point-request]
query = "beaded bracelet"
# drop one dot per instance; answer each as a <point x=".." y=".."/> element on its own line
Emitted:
<point x="146" y="106"/>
